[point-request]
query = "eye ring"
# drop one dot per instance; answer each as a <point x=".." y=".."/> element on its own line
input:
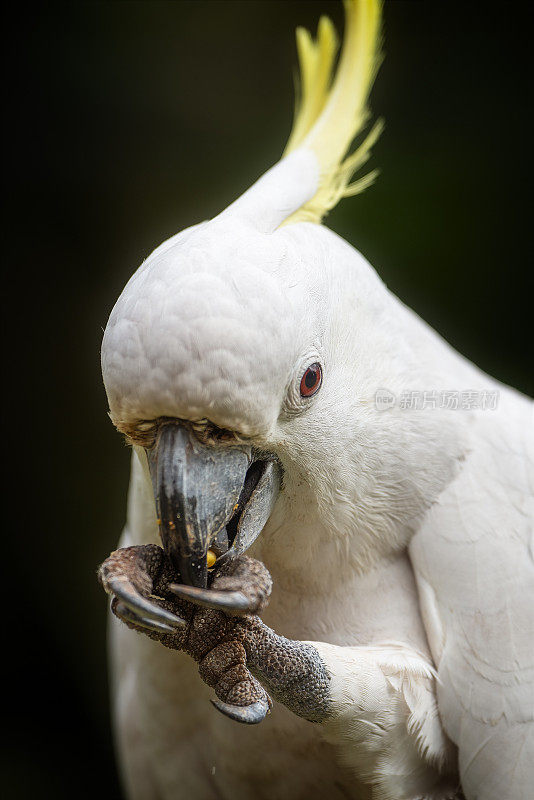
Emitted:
<point x="311" y="381"/>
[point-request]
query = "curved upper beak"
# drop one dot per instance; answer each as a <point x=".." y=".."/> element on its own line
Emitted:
<point x="198" y="489"/>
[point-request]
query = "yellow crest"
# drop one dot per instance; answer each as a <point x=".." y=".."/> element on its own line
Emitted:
<point x="332" y="111"/>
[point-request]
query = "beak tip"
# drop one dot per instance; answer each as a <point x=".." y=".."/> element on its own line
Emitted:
<point x="194" y="571"/>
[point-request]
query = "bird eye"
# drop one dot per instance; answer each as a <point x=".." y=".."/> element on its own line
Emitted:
<point x="311" y="380"/>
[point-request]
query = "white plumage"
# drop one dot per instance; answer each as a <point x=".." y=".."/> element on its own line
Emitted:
<point x="401" y="545"/>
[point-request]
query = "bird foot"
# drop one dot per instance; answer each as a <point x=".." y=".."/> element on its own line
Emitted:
<point x="147" y="596"/>
<point x="237" y="654"/>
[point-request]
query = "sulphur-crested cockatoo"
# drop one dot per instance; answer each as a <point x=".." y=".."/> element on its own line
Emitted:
<point x="280" y="400"/>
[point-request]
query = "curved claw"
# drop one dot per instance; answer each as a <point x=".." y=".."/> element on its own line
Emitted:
<point x="235" y="602"/>
<point x="127" y="615"/>
<point x="126" y="592"/>
<point x="249" y="715"/>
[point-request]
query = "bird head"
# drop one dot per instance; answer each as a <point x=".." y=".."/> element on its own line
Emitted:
<point x="237" y="356"/>
<point x="214" y="350"/>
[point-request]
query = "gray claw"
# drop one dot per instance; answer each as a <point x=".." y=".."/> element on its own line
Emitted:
<point x="128" y="615"/>
<point x="124" y="589"/>
<point x="249" y="715"/>
<point x="212" y="598"/>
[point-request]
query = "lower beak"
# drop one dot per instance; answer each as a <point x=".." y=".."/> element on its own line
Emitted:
<point x="197" y="488"/>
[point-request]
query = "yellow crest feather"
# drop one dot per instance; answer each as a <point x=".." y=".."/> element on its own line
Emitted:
<point x="331" y="113"/>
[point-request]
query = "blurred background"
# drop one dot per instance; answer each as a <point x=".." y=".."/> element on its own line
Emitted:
<point x="128" y="121"/>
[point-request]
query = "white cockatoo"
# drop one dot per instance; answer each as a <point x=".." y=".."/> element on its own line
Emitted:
<point x="280" y="400"/>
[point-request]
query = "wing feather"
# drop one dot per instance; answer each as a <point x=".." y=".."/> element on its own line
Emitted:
<point x="473" y="562"/>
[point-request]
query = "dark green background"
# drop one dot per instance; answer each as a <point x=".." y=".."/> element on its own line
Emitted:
<point x="128" y="121"/>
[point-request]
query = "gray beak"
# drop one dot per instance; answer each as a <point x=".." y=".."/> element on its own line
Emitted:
<point x="206" y="496"/>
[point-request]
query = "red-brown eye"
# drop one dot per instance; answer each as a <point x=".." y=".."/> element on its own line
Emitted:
<point x="311" y="380"/>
